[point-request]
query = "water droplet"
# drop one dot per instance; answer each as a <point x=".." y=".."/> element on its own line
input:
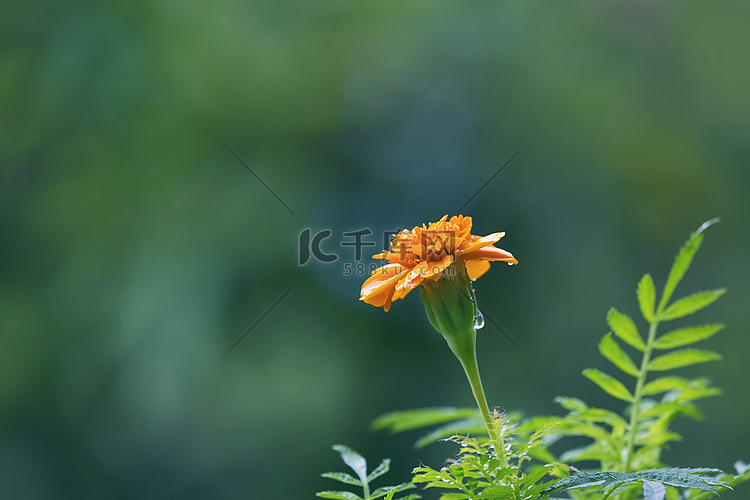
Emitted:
<point x="478" y="320"/>
<point x="510" y="264"/>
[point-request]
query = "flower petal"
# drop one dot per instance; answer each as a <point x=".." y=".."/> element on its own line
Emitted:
<point x="476" y="268"/>
<point x="423" y="270"/>
<point x="378" y="289"/>
<point x="403" y="287"/>
<point x="491" y="253"/>
<point x="434" y="269"/>
<point x="480" y="242"/>
<point x="464" y="224"/>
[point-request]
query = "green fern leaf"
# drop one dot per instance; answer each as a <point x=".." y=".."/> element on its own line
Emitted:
<point x="623" y="327"/>
<point x="691" y="303"/>
<point x="571" y="404"/>
<point x="684" y="478"/>
<point x="687" y="336"/>
<point x="354" y="460"/>
<point x="614" y="353"/>
<point x="535" y="474"/>
<point x="697" y="391"/>
<point x="390" y="491"/>
<point x="683" y="260"/>
<point x="381" y="469"/>
<point x="399" y="421"/>
<point x="665" y="384"/>
<point x="342" y="477"/>
<point x="609" y="384"/>
<point x="743" y="474"/>
<point x="497" y="492"/>
<point x="338" y="495"/>
<point x="681" y="478"/>
<point x="647" y="297"/>
<point x="668" y="410"/>
<point x="682" y="357"/>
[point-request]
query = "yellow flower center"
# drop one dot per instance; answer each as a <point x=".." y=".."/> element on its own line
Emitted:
<point x="427" y="243"/>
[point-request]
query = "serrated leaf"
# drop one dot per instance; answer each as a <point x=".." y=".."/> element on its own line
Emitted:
<point x="534" y="491"/>
<point x="581" y="480"/>
<point x="571" y="404"/>
<point x="696" y="389"/>
<point x="454" y="496"/>
<point x="497" y="492"/>
<point x="381" y="469"/>
<point x="681" y="478"/>
<point x="731" y="480"/>
<point x="600" y="415"/>
<point x="682" y="261"/>
<point x="433" y="478"/>
<point x="342" y="477"/>
<point x="535" y="475"/>
<point x="616" y="423"/>
<point x="338" y="495"/>
<point x="681" y="390"/>
<point x="614" y="353"/>
<point x="659" y="437"/>
<point x="354" y="460"/>
<point x="390" y="491"/>
<point x="546" y="427"/>
<point x="653" y="490"/>
<point x="623" y="327"/>
<point x="691" y="303"/>
<point x="671" y="409"/>
<point x="609" y="384"/>
<point x="664" y="384"/>
<point x="399" y="421"/>
<point x="647" y="297"/>
<point x="687" y="336"/>
<point x="682" y="357"/>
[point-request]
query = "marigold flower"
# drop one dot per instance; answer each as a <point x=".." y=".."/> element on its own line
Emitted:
<point x="425" y="253"/>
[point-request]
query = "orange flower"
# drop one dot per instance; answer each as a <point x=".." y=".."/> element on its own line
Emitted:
<point x="424" y="253"/>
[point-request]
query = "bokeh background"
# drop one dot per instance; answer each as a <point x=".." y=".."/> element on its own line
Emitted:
<point x="136" y="249"/>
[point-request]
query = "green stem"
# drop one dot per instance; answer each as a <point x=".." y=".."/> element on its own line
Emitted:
<point x="471" y="368"/>
<point x="451" y="307"/>
<point x="639" y="394"/>
<point x="366" y="490"/>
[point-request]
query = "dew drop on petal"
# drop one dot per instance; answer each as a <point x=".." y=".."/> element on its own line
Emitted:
<point x="478" y="320"/>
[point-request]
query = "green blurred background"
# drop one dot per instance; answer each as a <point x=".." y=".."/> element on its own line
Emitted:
<point x="136" y="250"/>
